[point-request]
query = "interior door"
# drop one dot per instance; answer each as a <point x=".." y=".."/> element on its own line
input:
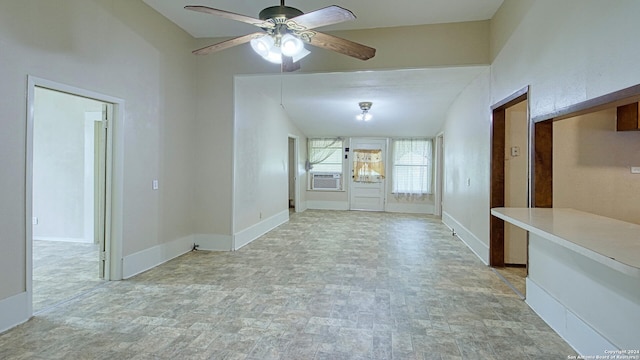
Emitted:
<point x="368" y="174"/>
<point x="100" y="178"/>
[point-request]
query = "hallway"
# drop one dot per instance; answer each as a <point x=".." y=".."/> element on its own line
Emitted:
<point x="326" y="285"/>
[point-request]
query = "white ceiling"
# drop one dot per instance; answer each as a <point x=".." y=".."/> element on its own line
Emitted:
<point x="369" y="13"/>
<point x="405" y="102"/>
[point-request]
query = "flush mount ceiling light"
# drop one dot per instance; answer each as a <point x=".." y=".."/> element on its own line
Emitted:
<point x="364" y="106"/>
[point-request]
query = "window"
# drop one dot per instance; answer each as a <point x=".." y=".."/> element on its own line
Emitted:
<point x="412" y="166"/>
<point x="325" y="155"/>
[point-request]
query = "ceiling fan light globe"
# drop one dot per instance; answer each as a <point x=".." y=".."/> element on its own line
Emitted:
<point x="274" y="55"/>
<point x="291" y="45"/>
<point x="301" y="55"/>
<point x="263" y="45"/>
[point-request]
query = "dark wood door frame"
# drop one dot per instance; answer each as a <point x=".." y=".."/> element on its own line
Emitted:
<point x="497" y="196"/>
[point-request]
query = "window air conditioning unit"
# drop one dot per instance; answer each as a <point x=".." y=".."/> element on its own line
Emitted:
<point x="325" y="181"/>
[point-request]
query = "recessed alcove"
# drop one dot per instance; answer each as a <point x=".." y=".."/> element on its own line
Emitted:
<point x="583" y="158"/>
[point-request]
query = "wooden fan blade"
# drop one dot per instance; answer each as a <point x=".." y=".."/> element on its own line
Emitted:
<point x="342" y="46"/>
<point x="233" y="16"/>
<point x="228" y="43"/>
<point x="322" y="17"/>
<point x="288" y="65"/>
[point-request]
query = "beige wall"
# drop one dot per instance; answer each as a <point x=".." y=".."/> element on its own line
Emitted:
<point x="464" y="43"/>
<point x="261" y="133"/>
<point x="591" y="166"/>
<point x="122" y="49"/>
<point x="465" y="203"/>
<point x="568" y="52"/>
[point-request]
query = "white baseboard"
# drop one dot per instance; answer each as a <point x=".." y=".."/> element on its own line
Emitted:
<point x="473" y="242"/>
<point x="579" y="335"/>
<point x="52" y="238"/>
<point x="244" y="237"/>
<point x="327" y="205"/>
<point x="14" y="311"/>
<point x="214" y="242"/>
<point x="144" y="260"/>
<point x="409" y="208"/>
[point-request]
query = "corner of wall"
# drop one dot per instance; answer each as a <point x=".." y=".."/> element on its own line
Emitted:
<point x="147" y="259"/>
<point x="473" y="242"/>
<point x="246" y="236"/>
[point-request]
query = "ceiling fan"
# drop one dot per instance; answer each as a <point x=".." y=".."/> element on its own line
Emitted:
<point x="285" y="30"/>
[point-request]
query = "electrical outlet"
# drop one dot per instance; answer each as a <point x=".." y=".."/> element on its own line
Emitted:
<point x="154" y="184"/>
<point x="515" y="151"/>
<point x="34" y="220"/>
<point x="468" y="182"/>
<point x="635" y="169"/>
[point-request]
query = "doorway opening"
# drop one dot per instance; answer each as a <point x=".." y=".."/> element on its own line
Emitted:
<point x="294" y="192"/>
<point x="510" y="160"/>
<point x="69" y="192"/>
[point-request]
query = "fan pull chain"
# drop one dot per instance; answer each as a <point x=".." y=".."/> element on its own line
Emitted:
<point x="281" y="86"/>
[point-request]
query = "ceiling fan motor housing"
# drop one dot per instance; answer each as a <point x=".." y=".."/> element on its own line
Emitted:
<point x="282" y="12"/>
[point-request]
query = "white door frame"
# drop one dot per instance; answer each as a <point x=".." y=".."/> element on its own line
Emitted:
<point x="439" y="174"/>
<point x="114" y="181"/>
<point x="296" y="189"/>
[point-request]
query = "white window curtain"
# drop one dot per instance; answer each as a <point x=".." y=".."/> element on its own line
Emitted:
<point x="326" y="154"/>
<point x="412" y="169"/>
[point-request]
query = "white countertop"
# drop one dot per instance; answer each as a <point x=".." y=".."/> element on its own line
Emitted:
<point x="611" y="242"/>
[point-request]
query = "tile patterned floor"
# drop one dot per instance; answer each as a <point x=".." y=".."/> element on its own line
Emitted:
<point x="62" y="270"/>
<point x="326" y="285"/>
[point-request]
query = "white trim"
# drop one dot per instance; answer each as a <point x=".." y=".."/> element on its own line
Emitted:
<point x="61" y="239"/>
<point x="90" y="118"/>
<point x="234" y="156"/>
<point x="438" y="173"/>
<point x="410" y="208"/>
<point x="579" y="335"/>
<point x="246" y="236"/>
<point x="144" y="260"/>
<point x="327" y="205"/>
<point x="214" y="242"/>
<point x="303" y="206"/>
<point x="296" y="181"/>
<point x="476" y="245"/>
<point x="14" y="311"/>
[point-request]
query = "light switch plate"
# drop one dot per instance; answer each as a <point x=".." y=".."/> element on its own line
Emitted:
<point x="154" y="184"/>
<point x="635" y="169"/>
